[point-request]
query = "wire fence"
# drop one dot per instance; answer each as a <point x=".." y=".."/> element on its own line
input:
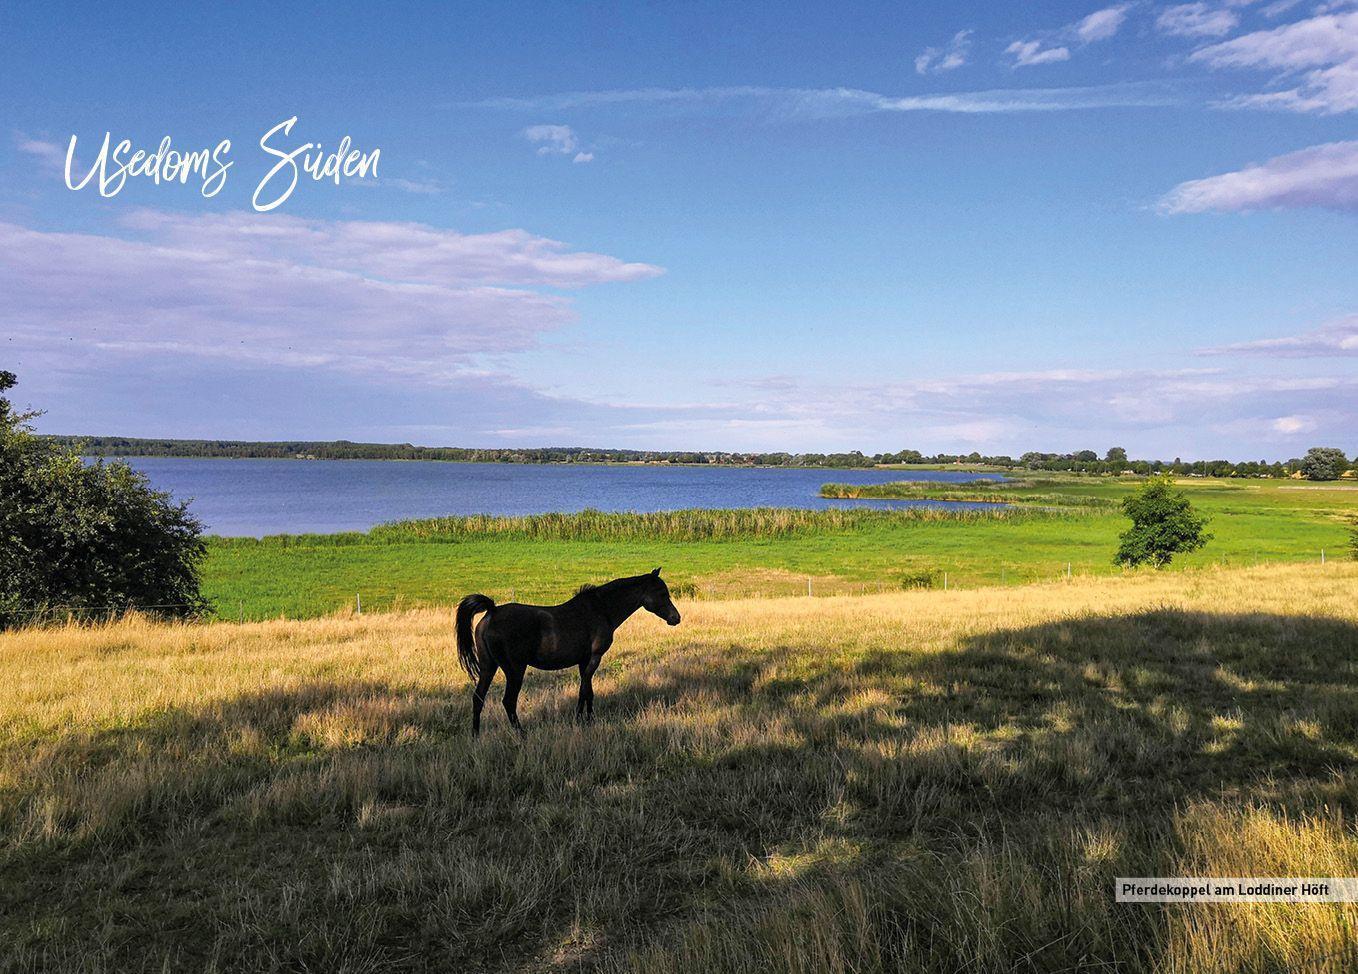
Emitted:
<point x="759" y="585"/>
<point x="751" y="584"/>
<point x="46" y="614"/>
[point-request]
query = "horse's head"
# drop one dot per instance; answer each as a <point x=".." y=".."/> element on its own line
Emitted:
<point x="656" y="599"/>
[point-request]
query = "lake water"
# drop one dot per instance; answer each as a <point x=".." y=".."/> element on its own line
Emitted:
<point x="257" y="497"/>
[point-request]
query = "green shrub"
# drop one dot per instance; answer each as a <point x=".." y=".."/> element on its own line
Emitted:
<point x="923" y="578"/>
<point x="1163" y="524"/>
<point x="87" y="539"/>
<point x="683" y="590"/>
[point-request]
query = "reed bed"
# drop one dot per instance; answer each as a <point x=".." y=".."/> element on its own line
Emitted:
<point x="975" y="491"/>
<point x="916" y="782"/>
<point x="696" y="524"/>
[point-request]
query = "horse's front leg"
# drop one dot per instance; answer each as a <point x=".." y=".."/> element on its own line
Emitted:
<point x="585" y="689"/>
<point x="584" y="707"/>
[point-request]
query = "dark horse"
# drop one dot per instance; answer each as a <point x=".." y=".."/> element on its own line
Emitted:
<point x="513" y="637"/>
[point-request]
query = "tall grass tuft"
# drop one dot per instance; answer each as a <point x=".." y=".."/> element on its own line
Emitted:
<point x="594" y="525"/>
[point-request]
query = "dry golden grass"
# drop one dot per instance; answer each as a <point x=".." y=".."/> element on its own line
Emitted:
<point x="920" y="781"/>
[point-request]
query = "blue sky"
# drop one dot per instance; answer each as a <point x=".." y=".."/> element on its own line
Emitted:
<point x="953" y="226"/>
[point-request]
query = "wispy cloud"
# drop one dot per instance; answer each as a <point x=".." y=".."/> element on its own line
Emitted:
<point x="1323" y="48"/>
<point x="422" y="187"/>
<point x="1197" y="20"/>
<point x="1340" y="338"/>
<point x="934" y="60"/>
<point x="1278" y="7"/>
<point x="1053" y="46"/>
<point x="411" y="252"/>
<point x="557" y="140"/>
<point x="1102" y="24"/>
<point x="817" y="103"/>
<point x="52" y="155"/>
<point x="1030" y="53"/>
<point x="1321" y="176"/>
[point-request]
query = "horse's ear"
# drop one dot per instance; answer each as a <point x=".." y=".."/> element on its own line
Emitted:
<point x="656" y="572"/>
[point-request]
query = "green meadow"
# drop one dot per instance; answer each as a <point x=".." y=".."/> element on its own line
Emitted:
<point x="1051" y="526"/>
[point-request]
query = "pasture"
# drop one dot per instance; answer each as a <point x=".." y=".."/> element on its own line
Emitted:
<point x="913" y="781"/>
<point x="1057" y="524"/>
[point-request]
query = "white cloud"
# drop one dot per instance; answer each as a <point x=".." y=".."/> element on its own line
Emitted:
<point x="559" y="140"/>
<point x="1197" y="20"/>
<point x="1184" y="411"/>
<point x="1307" y="43"/>
<point x="1321" y="176"/>
<point x="1340" y="338"/>
<point x="1324" y="48"/>
<point x="1101" y="24"/>
<point x="1052" y="46"/>
<point x="1291" y="425"/>
<point x="1029" y="53"/>
<point x="953" y="56"/>
<point x="387" y="299"/>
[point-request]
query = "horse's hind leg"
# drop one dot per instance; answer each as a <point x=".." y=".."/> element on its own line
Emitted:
<point x="483" y="682"/>
<point x="513" y="681"/>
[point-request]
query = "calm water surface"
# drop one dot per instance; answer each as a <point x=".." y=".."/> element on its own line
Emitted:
<point x="258" y="497"/>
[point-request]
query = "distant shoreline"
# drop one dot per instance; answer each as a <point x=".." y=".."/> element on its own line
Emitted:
<point x="129" y="447"/>
<point x="959" y="468"/>
<point x="1082" y="462"/>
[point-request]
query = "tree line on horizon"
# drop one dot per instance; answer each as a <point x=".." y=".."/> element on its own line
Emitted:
<point x="1320" y="463"/>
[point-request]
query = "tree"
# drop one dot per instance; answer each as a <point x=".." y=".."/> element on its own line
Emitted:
<point x="1163" y="524"/>
<point x="1116" y="454"/>
<point x="1324" y="463"/>
<point x="87" y="536"/>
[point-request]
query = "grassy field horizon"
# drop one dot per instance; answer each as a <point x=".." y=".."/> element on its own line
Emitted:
<point x="1058" y="525"/>
<point x="913" y="781"/>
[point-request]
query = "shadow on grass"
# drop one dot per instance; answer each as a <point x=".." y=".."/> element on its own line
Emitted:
<point x="1192" y="703"/>
<point x="357" y="827"/>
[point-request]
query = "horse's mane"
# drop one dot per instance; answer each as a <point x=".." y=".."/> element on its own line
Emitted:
<point x="616" y="583"/>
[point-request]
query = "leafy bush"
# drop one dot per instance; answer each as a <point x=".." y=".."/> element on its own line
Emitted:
<point x="1163" y="524"/>
<point x="683" y="590"/>
<point x="922" y="578"/>
<point x="87" y="538"/>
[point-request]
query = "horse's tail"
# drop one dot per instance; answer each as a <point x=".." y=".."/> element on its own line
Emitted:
<point x="466" y="643"/>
